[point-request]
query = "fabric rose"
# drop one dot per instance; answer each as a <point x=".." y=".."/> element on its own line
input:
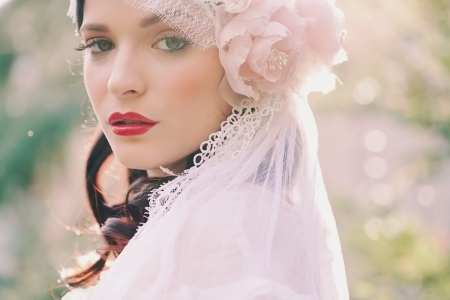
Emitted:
<point x="271" y="46"/>
<point x="324" y="27"/>
<point x="324" y="36"/>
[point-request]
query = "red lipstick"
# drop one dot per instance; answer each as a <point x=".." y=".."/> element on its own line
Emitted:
<point x="130" y="124"/>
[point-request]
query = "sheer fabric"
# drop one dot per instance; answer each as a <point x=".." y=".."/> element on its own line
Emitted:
<point x="250" y="225"/>
<point x="250" y="220"/>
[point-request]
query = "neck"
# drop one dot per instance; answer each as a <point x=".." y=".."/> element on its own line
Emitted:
<point x="175" y="168"/>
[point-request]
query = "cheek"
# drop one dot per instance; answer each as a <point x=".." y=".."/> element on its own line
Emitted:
<point x="190" y="101"/>
<point x="193" y="80"/>
<point x="190" y="89"/>
<point x="94" y="83"/>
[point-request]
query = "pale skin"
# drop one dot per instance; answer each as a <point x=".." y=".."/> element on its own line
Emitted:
<point x="134" y="62"/>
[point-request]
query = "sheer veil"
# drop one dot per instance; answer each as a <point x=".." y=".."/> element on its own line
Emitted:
<point x="251" y="219"/>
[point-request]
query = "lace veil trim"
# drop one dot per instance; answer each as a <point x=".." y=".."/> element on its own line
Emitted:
<point x="234" y="136"/>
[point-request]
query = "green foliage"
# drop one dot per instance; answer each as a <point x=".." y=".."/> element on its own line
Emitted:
<point x="409" y="265"/>
<point x="6" y="60"/>
<point x="38" y="104"/>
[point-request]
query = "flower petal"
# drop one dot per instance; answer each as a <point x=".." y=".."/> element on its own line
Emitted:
<point x="232" y="60"/>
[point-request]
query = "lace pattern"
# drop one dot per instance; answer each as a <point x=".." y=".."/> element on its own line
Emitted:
<point x="195" y="20"/>
<point x="234" y="136"/>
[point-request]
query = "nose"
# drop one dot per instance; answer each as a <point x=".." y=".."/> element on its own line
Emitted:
<point x="126" y="79"/>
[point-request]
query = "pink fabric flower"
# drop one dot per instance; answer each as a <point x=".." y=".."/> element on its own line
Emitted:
<point x="324" y="30"/>
<point x="324" y="36"/>
<point x="269" y="47"/>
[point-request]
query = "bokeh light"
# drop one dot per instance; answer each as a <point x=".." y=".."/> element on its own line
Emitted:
<point x="382" y="194"/>
<point x="375" y="141"/>
<point x="376" y="167"/>
<point x="366" y="91"/>
<point x="426" y="195"/>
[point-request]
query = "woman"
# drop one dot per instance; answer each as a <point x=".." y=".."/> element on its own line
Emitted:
<point x="209" y="98"/>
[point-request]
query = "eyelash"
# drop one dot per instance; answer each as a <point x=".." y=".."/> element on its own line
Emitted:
<point x="85" y="46"/>
<point x="172" y="35"/>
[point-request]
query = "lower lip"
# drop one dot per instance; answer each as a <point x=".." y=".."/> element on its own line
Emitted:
<point x="131" y="129"/>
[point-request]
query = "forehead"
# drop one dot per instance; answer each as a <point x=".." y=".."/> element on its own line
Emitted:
<point x="112" y="11"/>
<point x="107" y="15"/>
<point x="194" y="19"/>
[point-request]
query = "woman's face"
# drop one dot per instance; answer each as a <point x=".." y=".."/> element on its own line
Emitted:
<point x="135" y="64"/>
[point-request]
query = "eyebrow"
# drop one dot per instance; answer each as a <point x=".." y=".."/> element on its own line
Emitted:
<point x="150" y="21"/>
<point x="145" y="22"/>
<point x="94" y="27"/>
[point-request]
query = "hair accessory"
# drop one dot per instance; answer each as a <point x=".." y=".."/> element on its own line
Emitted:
<point x="266" y="46"/>
<point x="277" y="59"/>
<point x="274" y="46"/>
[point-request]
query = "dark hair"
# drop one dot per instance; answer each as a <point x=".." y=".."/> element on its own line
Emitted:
<point x="118" y="223"/>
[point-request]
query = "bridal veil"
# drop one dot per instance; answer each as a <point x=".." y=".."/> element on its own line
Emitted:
<point x="251" y="219"/>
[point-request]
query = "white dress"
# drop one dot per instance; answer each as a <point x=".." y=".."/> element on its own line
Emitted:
<point x="267" y="232"/>
<point x="203" y="265"/>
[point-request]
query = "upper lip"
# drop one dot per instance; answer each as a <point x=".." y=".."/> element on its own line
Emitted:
<point x="117" y="117"/>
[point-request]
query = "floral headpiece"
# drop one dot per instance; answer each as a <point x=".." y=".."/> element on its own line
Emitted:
<point x="270" y="46"/>
<point x="265" y="46"/>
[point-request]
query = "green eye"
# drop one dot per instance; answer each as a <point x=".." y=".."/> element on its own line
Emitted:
<point x="101" y="46"/>
<point x="171" y="44"/>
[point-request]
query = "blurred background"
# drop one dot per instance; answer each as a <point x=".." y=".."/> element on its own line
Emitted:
<point x="384" y="148"/>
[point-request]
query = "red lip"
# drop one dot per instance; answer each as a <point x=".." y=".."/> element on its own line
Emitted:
<point x="130" y="123"/>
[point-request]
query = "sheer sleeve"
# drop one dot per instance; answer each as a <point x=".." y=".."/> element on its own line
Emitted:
<point x="246" y="289"/>
<point x="235" y="249"/>
<point x="238" y="245"/>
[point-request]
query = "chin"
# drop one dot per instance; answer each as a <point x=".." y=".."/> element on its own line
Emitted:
<point x="136" y="166"/>
<point x="135" y="157"/>
<point x="146" y="159"/>
<point x="135" y="162"/>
